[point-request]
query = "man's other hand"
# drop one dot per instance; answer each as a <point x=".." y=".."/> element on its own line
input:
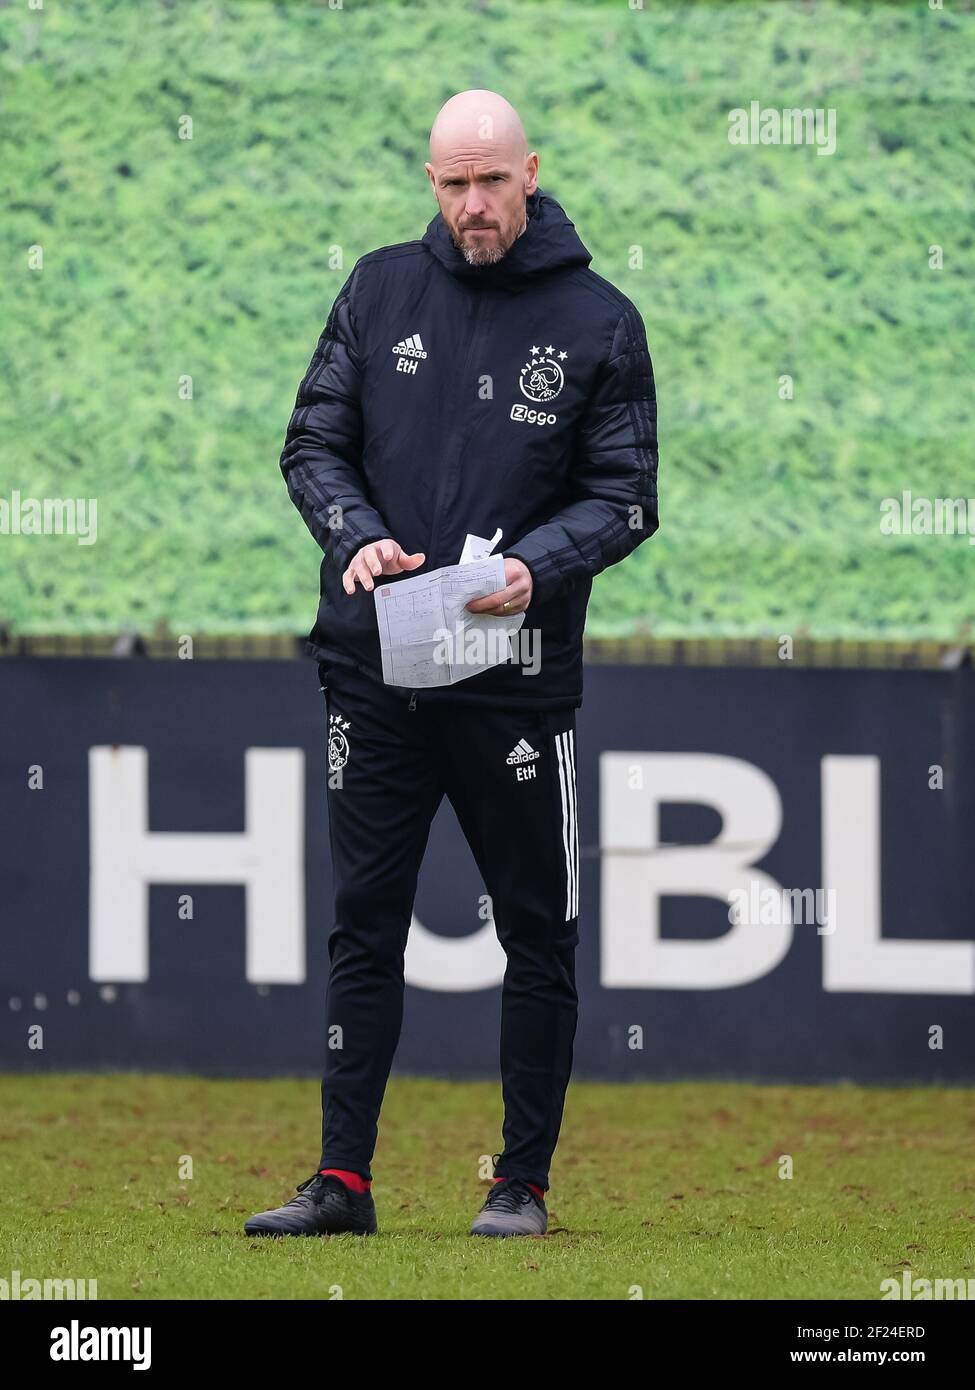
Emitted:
<point x="379" y="557"/>
<point x="517" y="594"/>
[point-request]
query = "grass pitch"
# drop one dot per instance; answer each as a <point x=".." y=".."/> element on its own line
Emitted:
<point x="674" y="1189"/>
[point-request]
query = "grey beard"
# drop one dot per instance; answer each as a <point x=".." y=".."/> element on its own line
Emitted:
<point x="483" y="255"/>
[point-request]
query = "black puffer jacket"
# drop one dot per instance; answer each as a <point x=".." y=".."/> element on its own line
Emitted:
<point x="444" y="399"/>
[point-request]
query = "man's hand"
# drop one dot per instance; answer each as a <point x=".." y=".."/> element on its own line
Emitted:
<point x="380" y="557"/>
<point x="512" y="599"/>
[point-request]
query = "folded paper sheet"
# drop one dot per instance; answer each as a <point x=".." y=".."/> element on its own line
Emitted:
<point x="427" y="636"/>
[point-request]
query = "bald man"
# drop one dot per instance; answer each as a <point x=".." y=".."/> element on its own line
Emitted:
<point x="478" y="390"/>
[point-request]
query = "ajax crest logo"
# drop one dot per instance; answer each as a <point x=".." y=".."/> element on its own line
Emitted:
<point x="542" y="377"/>
<point x="338" y="744"/>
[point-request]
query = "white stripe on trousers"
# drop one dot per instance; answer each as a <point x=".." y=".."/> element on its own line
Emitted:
<point x="565" y="747"/>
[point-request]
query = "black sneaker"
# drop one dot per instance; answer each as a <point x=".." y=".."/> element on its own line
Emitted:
<point x="511" y="1209"/>
<point x="323" y="1207"/>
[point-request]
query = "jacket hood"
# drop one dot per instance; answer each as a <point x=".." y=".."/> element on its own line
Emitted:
<point x="549" y="242"/>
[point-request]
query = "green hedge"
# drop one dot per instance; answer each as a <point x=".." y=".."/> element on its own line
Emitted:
<point x="210" y="258"/>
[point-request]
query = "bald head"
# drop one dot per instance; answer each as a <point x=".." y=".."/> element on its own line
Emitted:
<point x="475" y="121"/>
<point x="481" y="173"/>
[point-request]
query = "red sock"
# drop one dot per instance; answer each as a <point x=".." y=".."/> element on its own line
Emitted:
<point x="354" y="1181"/>
<point x="539" y="1191"/>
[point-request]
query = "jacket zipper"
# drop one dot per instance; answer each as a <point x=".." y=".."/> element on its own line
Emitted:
<point x="442" y="496"/>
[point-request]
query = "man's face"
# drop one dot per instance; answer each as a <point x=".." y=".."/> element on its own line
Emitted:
<point x="482" y="201"/>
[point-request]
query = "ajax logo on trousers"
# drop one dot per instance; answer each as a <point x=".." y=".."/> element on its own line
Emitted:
<point x="338" y="744"/>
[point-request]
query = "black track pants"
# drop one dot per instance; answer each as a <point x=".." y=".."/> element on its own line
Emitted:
<point x="510" y="776"/>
